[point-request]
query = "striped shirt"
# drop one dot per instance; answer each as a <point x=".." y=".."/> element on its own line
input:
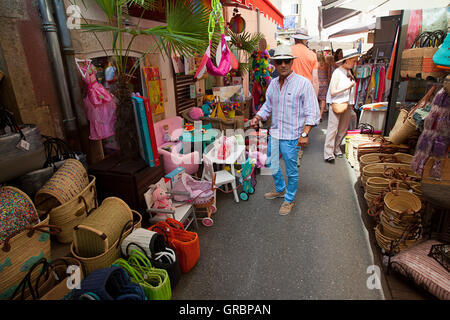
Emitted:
<point x="292" y="107"/>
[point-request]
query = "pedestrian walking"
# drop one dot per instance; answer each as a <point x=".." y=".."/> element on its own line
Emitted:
<point x="306" y="65"/>
<point x="340" y="95"/>
<point x="291" y="101"/>
<point x="324" y="73"/>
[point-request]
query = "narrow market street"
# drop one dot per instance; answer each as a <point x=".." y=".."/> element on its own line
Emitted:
<point x="316" y="252"/>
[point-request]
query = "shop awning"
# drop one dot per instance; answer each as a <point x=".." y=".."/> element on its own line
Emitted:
<point x="390" y="5"/>
<point x="332" y="14"/>
<point x="265" y="7"/>
<point x="358" y="28"/>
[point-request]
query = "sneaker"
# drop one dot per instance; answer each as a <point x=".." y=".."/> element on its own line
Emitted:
<point x="329" y="160"/>
<point x="274" y="194"/>
<point x="286" y="208"/>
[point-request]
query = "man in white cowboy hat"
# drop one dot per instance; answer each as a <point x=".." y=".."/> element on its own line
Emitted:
<point x="291" y="101"/>
<point x="306" y="65"/>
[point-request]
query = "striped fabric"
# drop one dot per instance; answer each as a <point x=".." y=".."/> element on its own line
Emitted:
<point x="292" y="107"/>
<point x="415" y="263"/>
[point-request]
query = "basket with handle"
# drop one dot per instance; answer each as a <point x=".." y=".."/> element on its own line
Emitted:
<point x="162" y="291"/>
<point x="73" y="212"/>
<point x="370" y="158"/>
<point x="17" y="212"/>
<point x="404" y="157"/>
<point x="405" y="124"/>
<point x="63" y="186"/>
<point x="402" y="205"/>
<point x="105" y="259"/>
<point x="395" y="245"/>
<point x="100" y="230"/>
<point x="156" y="248"/>
<point x="51" y="283"/>
<point x="185" y="243"/>
<point x="20" y="251"/>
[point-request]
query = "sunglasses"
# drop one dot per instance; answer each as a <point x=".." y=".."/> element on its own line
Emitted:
<point x="280" y="62"/>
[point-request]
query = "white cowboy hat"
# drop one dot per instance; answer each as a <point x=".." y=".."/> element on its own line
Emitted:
<point x="347" y="54"/>
<point x="282" y="52"/>
<point x="301" y="34"/>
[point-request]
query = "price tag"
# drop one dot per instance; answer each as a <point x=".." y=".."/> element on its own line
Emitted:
<point x="24" y="145"/>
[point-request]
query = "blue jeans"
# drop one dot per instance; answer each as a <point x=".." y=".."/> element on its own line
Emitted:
<point x="289" y="151"/>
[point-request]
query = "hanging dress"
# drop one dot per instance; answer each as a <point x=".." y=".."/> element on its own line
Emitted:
<point x="99" y="105"/>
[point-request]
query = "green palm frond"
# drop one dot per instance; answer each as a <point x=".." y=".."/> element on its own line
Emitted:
<point x="245" y="41"/>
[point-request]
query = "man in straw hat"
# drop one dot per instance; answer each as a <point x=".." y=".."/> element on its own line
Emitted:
<point x="291" y="101"/>
<point x="306" y="65"/>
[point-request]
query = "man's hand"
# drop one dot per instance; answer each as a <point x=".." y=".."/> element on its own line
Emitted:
<point x="302" y="142"/>
<point x="254" y="122"/>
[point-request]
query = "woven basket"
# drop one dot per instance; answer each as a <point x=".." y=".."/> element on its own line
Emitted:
<point x="407" y="129"/>
<point x="402" y="205"/>
<point x="63" y="186"/>
<point x="17" y="212"/>
<point x="404" y="157"/>
<point x="101" y="229"/>
<point x="385" y="242"/>
<point x="107" y="258"/>
<point x="370" y="158"/>
<point x="378" y="169"/>
<point x="20" y="252"/>
<point x="73" y="212"/>
<point x="392" y="227"/>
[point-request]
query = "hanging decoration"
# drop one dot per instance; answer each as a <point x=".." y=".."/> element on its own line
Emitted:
<point x="225" y="60"/>
<point x="237" y="23"/>
<point x="154" y="87"/>
<point x="260" y="77"/>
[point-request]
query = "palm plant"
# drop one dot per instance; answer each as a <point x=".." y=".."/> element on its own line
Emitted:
<point x="186" y="33"/>
<point x="245" y="43"/>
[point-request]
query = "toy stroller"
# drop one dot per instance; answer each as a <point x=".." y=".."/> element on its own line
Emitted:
<point x="247" y="179"/>
<point x="201" y="195"/>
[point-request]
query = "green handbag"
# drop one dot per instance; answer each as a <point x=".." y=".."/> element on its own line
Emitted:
<point x="141" y="263"/>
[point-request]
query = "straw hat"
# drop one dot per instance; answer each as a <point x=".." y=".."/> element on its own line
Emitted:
<point x="347" y="54"/>
<point x="283" y="52"/>
<point x="301" y="34"/>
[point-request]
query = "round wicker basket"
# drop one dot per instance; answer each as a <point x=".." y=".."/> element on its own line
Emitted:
<point x="404" y="157"/>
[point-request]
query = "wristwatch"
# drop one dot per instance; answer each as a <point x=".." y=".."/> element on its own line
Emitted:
<point x="304" y="135"/>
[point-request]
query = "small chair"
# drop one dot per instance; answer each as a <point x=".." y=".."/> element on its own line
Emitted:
<point x="223" y="177"/>
<point x="173" y="159"/>
<point x="184" y="212"/>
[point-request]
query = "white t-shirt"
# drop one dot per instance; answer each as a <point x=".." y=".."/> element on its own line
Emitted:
<point x="339" y="81"/>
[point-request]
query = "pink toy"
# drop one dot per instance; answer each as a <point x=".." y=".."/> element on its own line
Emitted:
<point x="161" y="200"/>
<point x="196" y="113"/>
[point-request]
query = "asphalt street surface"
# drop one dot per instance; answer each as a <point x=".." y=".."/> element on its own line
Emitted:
<point x="319" y="251"/>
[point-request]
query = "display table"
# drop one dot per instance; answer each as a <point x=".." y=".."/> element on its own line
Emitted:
<point x="188" y="138"/>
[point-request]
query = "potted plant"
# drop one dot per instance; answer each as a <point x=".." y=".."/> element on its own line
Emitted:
<point x="185" y="33"/>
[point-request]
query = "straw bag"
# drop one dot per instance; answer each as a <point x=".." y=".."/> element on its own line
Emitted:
<point x="52" y="282"/>
<point x="73" y="212"/>
<point x="105" y="259"/>
<point x="154" y="281"/>
<point x="20" y="251"/>
<point x="185" y="243"/>
<point x="63" y="186"/>
<point x="402" y="205"/>
<point x="160" y="255"/>
<point x="405" y="126"/>
<point x="102" y="228"/>
<point x="419" y="59"/>
<point x="339" y="108"/>
<point x="17" y="212"/>
<point x="393" y="245"/>
<point x="111" y="283"/>
<point x="437" y="189"/>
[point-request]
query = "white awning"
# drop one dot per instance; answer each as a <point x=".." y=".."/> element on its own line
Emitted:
<point x="392" y="5"/>
<point x="355" y="29"/>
